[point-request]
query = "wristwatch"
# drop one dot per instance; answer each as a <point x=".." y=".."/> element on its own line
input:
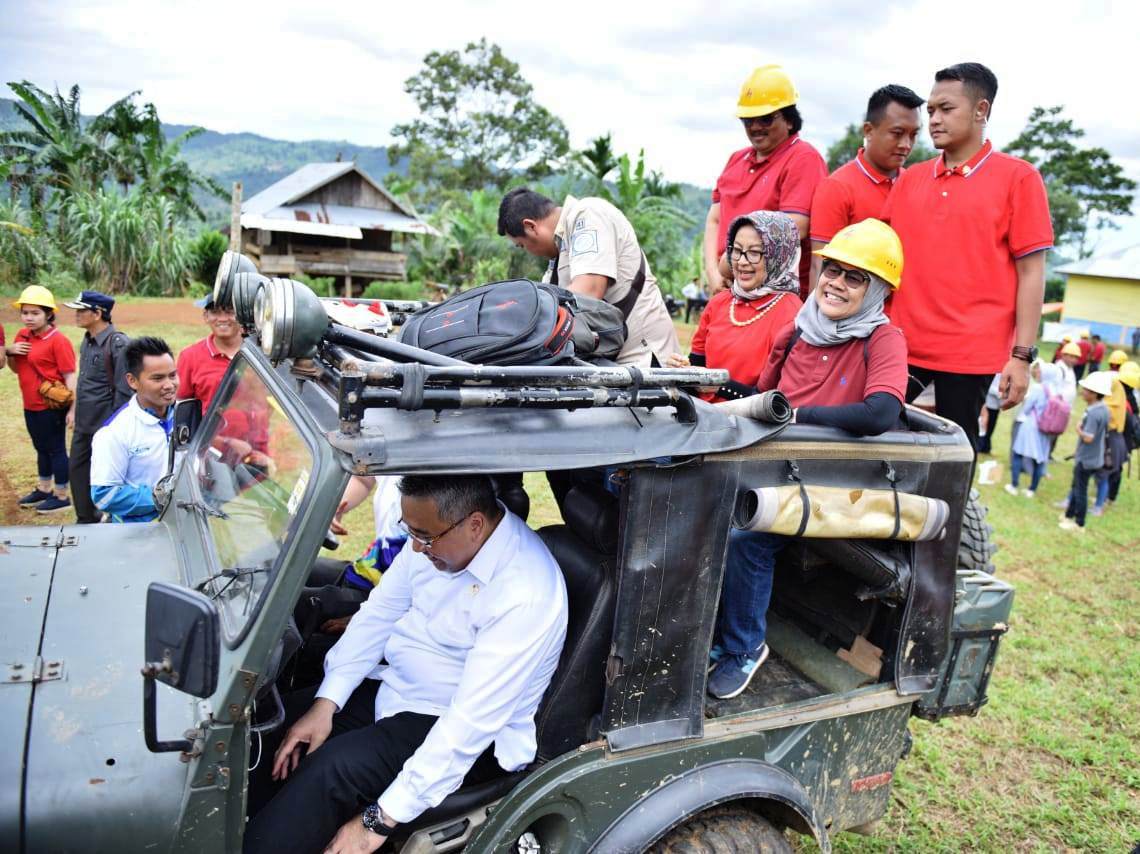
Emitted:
<point x="1026" y="354"/>
<point x="373" y="819"/>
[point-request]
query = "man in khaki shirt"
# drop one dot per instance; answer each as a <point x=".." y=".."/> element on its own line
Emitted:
<point x="593" y="250"/>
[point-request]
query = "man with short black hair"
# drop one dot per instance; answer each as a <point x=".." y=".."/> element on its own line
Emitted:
<point x="470" y="621"/>
<point x="100" y="390"/>
<point x="129" y="453"/>
<point x="858" y="189"/>
<point x="975" y="227"/>
<point x="593" y="250"/>
<point x="778" y="171"/>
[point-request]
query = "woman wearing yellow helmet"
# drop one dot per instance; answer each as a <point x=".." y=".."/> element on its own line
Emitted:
<point x="44" y="362"/>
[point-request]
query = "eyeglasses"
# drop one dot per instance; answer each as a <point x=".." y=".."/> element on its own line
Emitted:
<point x="851" y="278"/>
<point x="752" y="256"/>
<point x="428" y="542"/>
<point x="763" y="121"/>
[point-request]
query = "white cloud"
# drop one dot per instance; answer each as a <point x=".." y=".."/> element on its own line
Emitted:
<point x="660" y="76"/>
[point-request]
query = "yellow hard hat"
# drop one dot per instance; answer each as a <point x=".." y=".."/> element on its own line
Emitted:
<point x="35" y="295"/>
<point x="766" y="90"/>
<point x="1071" y="349"/>
<point x="870" y="245"/>
<point x="1065" y="339"/>
<point x="1117" y="357"/>
<point x="1129" y="374"/>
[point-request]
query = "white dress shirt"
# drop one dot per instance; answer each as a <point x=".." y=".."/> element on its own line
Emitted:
<point x="476" y="648"/>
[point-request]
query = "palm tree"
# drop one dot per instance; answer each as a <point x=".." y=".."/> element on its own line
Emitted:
<point x="598" y="160"/>
<point x="117" y="130"/>
<point x="163" y="172"/>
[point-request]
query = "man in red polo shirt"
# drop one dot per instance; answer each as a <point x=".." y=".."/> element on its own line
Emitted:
<point x="777" y="172"/>
<point x="975" y="226"/>
<point x="202" y="365"/>
<point x="858" y="189"/>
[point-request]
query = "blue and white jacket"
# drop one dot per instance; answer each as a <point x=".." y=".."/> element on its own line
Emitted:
<point x="128" y="456"/>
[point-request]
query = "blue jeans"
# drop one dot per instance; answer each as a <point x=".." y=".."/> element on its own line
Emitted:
<point x="1102" y="479"/>
<point x="748" y="571"/>
<point x="1035" y="469"/>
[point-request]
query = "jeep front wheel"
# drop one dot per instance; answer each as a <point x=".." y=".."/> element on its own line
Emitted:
<point x="977" y="548"/>
<point x="723" y="830"/>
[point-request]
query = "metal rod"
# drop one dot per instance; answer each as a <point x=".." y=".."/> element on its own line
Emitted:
<point x="584" y="376"/>
<point x="378" y="346"/>
<point x="407" y="306"/>
<point x="491" y="398"/>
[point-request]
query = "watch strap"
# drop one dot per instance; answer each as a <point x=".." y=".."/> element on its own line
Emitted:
<point x="1026" y="354"/>
<point x="373" y="819"/>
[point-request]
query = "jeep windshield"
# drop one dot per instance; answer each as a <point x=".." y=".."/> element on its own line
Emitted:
<point x="252" y="469"/>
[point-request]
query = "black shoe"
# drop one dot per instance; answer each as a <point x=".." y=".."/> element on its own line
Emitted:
<point x="53" y="504"/>
<point x="33" y="498"/>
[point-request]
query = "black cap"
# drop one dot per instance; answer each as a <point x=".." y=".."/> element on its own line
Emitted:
<point x="93" y="300"/>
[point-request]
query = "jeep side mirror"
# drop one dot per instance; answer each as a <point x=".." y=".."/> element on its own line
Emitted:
<point x="187" y="417"/>
<point x="182" y="646"/>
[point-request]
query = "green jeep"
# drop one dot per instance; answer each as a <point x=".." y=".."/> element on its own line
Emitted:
<point x="632" y="753"/>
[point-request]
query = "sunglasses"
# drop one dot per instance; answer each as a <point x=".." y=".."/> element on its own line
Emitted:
<point x="851" y="278"/>
<point x="763" y="121"/>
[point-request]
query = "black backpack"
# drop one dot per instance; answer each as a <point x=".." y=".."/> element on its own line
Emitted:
<point x="504" y="323"/>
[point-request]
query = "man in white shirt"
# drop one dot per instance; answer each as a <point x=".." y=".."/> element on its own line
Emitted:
<point x="129" y="452"/>
<point x="470" y="621"/>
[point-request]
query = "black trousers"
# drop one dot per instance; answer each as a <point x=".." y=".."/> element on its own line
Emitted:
<point x="79" y="466"/>
<point x="352" y="769"/>
<point x="1079" y="494"/>
<point x="48" y="429"/>
<point x="958" y="397"/>
<point x="986" y="442"/>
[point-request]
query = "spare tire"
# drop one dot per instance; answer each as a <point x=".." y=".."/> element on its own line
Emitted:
<point x="977" y="548"/>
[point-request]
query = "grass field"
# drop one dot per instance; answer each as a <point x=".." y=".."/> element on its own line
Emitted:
<point x="1051" y="764"/>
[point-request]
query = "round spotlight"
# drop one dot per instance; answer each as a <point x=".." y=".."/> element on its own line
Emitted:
<point x="246" y="287"/>
<point x="231" y="264"/>
<point x="290" y="320"/>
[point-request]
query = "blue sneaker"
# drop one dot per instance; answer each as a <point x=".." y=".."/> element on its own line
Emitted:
<point x="715" y="655"/>
<point x="33" y="498"/>
<point x="733" y="673"/>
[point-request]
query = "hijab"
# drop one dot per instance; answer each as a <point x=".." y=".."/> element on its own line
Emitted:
<point x="781" y="241"/>
<point x="821" y="331"/>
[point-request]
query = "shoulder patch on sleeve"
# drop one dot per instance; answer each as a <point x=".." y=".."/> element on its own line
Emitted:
<point x="584" y="242"/>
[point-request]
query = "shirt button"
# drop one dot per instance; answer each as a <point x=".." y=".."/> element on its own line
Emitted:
<point x="825" y="358"/>
<point x="944" y="194"/>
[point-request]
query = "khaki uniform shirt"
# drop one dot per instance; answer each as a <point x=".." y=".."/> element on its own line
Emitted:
<point x="594" y="237"/>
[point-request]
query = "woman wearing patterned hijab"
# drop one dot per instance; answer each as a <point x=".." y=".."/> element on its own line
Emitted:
<point x="739" y="325"/>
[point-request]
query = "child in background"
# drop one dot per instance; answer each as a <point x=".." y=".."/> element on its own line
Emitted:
<point x="987" y="421"/>
<point x="1089" y="457"/>
<point x="1030" y="446"/>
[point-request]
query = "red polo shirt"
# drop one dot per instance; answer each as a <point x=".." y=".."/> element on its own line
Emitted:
<point x="852" y="193"/>
<point x="50" y="357"/>
<point x="742" y="350"/>
<point x="201" y="367"/>
<point x="833" y="376"/>
<point x="784" y="181"/>
<point x="962" y="230"/>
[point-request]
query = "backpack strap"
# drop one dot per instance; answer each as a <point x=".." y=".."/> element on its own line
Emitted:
<point x="795" y="336"/>
<point x="625" y="304"/>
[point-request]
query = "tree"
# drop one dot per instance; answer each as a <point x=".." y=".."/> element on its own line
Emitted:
<point x="598" y="159"/>
<point x="1086" y="187"/>
<point x="478" y="126"/>
<point x="844" y="149"/>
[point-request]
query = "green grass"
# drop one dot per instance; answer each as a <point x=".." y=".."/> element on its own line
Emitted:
<point x="1052" y="763"/>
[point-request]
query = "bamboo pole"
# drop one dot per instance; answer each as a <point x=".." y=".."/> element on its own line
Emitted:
<point x="235" y="218"/>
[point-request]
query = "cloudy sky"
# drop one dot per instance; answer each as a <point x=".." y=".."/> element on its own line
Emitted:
<point x="660" y="76"/>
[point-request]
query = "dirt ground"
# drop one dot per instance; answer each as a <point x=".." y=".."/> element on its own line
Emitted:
<point x="125" y="314"/>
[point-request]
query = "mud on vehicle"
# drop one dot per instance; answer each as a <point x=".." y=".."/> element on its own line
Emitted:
<point x="865" y="632"/>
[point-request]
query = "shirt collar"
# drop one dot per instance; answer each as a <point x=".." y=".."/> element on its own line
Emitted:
<point x="488" y="558"/>
<point x="964" y="169"/>
<point x="212" y="348"/>
<point x="51" y="330"/>
<point x="776" y="152"/>
<point x="568" y="205"/>
<point x="873" y="174"/>
<point x="146" y="415"/>
<point x="102" y="336"/>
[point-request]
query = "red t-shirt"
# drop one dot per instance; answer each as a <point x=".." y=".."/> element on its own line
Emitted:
<point x="201" y="367"/>
<point x="1086" y="351"/>
<point x="962" y="230"/>
<point x="833" y="376"/>
<point x="741" y="350"/>
<point x="1097" y="354"/>
<point x="783" y="181"/>
<point x="852" y="193"/>
<point x="51" y="356"/>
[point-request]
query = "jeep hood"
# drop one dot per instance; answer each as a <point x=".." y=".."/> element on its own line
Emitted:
<point x="77" y="774"/>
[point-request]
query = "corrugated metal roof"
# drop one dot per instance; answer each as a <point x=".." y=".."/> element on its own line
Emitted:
<point x="347" y="215"/>
<point x="301" y="226"/>
<point x="304" y="181"/>
<point x="1122" y="264"/>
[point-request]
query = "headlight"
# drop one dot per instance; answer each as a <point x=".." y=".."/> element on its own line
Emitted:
<point x="290" y="319"/>
<point x="246" y="287"/>
<point x="231" y="265"/>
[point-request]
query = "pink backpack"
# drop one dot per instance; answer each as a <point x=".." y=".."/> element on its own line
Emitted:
<point x="1054" y="418"/>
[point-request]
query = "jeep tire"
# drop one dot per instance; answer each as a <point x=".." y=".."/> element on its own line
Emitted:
<point x="723" y="830"/>
<point x="977" y="548"/>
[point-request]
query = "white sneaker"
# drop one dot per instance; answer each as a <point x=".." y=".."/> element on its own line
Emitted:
<point x="1011" y="489"/>
<point x="1070" y="525"/>
<point x="1029" y="493"/>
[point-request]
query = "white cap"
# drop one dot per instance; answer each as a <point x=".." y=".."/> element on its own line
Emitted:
<point x="1098" y="382"/>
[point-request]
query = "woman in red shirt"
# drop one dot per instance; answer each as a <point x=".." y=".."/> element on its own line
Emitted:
<point x="739" y="325"/>
<point x="40" y="353"/>
<point x="841" y="364"/>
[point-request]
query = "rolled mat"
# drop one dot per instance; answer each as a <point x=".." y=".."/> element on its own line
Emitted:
<point x="770" y="406"/>
<point x="831" y="511"/>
